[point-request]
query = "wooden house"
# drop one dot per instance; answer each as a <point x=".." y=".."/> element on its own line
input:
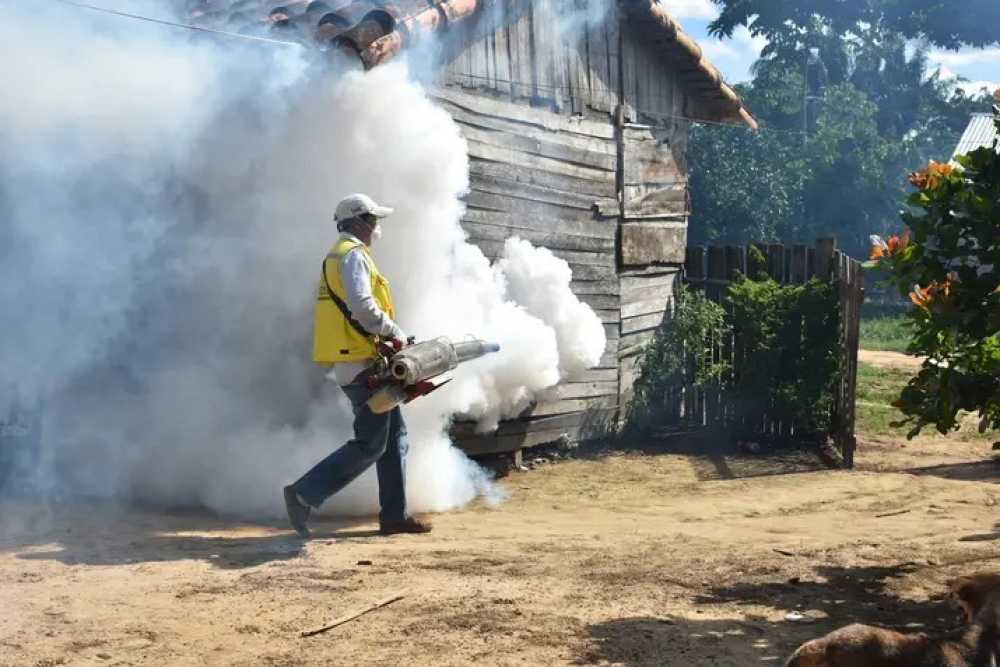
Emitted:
<point x="577" y="137"/>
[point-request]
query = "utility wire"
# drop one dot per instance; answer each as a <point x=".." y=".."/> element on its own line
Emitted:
<point x="187" y="26"/>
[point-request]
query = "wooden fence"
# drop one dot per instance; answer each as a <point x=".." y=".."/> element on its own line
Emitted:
<point x="713" y="268"/>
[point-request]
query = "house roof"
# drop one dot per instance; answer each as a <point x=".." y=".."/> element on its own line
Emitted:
<point x="981" y="132"/>
<point x="377" y="30"/>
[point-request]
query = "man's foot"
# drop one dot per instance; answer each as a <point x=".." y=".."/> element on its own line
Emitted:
<point x="408" y="525"/>
<point x="298" y="513"/>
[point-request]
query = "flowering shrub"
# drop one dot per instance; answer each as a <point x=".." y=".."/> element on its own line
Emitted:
<point x="946" y="263"/>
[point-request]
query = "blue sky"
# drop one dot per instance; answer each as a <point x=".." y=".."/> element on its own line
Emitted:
<point x="734" y="56"/>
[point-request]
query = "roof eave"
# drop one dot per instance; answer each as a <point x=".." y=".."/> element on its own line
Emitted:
<point x="702" y="74"/>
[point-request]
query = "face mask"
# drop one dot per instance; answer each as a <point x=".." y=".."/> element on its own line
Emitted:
<point x="376" y="233"/>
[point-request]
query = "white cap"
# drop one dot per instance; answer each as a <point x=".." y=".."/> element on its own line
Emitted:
<point x="358" y="204"/>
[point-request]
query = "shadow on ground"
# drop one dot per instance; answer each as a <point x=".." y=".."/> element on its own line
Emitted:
<point x="838" y="596"/>
<point x="983" y="537"/>
<point x="654" y="642"/>
<point x="975" y="471"/>
<point x="714" y="456"/>
<point x="105" y="533"/>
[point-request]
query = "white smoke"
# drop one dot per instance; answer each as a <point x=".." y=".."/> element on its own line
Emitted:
<point x="164" y="208"/>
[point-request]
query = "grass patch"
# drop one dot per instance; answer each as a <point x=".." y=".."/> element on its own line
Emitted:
<point x="878" y="387"/>
<point x="889" y="334"/>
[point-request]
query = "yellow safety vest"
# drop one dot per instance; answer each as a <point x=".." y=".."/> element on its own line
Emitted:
<point x="334" y="337"/>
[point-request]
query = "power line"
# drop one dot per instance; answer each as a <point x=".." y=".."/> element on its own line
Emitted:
<point x="186" y="26"/>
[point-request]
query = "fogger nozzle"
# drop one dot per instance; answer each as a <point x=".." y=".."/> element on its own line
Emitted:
<point x="412" y="367"/>
<point x="434" y="357"/>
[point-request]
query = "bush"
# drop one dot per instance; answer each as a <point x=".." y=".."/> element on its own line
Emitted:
<point x="678" y="358"/>
<point x="788" y="339"/>
<point x="785" y="364"/>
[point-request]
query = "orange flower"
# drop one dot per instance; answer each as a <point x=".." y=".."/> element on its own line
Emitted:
<point x="922" y="297"/>
<point x="936" y="173"/>
<point x="876" y="253"/>
<point x="918" y="179"/>
<point x="931" y="176"/>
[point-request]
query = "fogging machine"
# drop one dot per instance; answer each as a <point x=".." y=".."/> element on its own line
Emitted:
<point x="402" y="374"/>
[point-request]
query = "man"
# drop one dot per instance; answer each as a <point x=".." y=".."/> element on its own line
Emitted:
<point x="354" y="313"/>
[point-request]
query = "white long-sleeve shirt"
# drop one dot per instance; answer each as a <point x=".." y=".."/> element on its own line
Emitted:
<point x="356" y="276"/>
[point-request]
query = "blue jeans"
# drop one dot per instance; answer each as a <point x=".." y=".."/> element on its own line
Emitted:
<point x="379" y="439"/>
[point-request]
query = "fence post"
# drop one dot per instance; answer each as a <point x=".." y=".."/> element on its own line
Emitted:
<point x="853" y="326"/>
<point x="825" y="248"/>
<point x="799" y="274"/>
<point x="694" y="265"/>
<point x="717" y="280"/>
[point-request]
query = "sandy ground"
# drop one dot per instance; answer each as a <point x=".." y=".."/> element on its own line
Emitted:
<point x="633" y="559"/>
<point x="889" y="359"/>
<point x="659" y="557"/>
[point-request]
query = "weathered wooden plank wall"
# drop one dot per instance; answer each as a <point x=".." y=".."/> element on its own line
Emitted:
<point x="652" y="240"/>
<point x="575" y="144"/>
<point x="527" y="51"/>
<point x="551" y="180"/>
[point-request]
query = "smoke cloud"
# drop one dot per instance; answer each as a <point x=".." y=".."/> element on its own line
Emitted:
<point x="165" y="203"/>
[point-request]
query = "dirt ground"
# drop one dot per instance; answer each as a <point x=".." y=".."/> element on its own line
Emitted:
<point x="889" y="359"/>
<point x="658" y="557"/>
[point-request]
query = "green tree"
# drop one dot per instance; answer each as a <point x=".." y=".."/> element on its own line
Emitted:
<point x="946" y="263"/>
<point x="944" y="23"/>
<point x="842" y="114"/>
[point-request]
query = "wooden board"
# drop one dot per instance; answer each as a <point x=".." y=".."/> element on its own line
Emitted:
<point x="646" y="243"/>
<point x="582" y="287"/>
<point x="584" y="153"/>
<point x="527" y="218"/>
<point x="650" y="321"/>
<point x="519" y="158"/>
<point x="539" y="237"/>
<point x="582" y="203"/>
<point x="580" y="390"/>
<point x="501" y="51"/>
<point x="519" y="33"/>
<point x="573" y="258"/>
<point x="542" y="212"/>
<point x="510" y="111"/>
<point x="530" y="132"/>
<point x="511" y="436"/>
<point x="598" y="190"/>
<point x="654" y="184"/>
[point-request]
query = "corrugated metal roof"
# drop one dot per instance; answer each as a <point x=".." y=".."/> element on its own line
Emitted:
<point x="980" y="132"/>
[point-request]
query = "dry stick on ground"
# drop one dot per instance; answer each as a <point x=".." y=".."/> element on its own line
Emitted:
<point x="354" y="615"/>
<point x="896" y="513"/>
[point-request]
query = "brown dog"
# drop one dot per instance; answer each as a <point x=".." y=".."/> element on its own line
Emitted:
<point x="978" y="596"/>
<point x="971" y="593"/>
<point x="988" y="646"/>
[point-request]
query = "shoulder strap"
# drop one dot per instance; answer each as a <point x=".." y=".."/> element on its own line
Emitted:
<point x="343" y="306"/>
